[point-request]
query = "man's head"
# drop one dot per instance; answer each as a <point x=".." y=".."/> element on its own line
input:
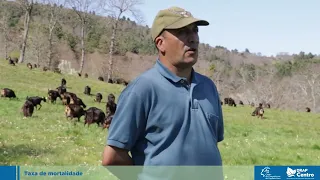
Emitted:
<point x="175" y="33"/>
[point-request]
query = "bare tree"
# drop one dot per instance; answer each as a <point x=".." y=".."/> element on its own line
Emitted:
<point x="264" y="84"/>
<point x="246" y="78"/>
<point x="82" y="9"/>
<point x="217" y="72"/>
<point x="116" y="9"/>
<point x="54" y="8"/>
<point x="4" y="28"/>
<point x="38" y="42"/>
<point x="285" y="95"/>
<point x="309" y="83"/>
<point x="27" y="6"/>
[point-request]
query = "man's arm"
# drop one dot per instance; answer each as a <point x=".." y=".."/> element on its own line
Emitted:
<point x="115" y="156"/>
<point x="125" y="129"/>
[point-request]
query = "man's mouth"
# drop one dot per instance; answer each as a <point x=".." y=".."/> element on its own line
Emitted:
<point x="192" y="50"/>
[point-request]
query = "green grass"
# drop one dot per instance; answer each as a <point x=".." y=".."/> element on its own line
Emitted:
<point x="48" y="139"/>
<point x="283" y="138"/>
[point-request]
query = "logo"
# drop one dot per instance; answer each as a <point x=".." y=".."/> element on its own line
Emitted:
<point x="299" y="173"/>
<point x="287" y="172"/>
<point x="291" y="172"/>
<point x="185" y="14"/>
<point x="265" y="172"/>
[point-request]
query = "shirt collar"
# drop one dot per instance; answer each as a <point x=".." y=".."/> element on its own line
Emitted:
<point x="164" y="71"/>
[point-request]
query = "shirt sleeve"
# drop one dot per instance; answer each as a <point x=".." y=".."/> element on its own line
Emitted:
<point x="128" y="122"/>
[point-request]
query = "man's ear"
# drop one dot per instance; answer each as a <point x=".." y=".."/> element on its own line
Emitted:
<point x="159" y="41"/>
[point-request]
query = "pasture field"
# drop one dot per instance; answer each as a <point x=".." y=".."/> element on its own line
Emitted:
<point x="48" y="139"/>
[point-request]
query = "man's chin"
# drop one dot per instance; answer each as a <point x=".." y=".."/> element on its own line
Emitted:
<point x="187" y="63"/>
<point x="190" y="60"/>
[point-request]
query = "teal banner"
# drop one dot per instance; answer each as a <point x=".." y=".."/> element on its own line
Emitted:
<point x="133" y="172"/>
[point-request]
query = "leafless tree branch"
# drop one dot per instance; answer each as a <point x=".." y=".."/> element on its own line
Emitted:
<point x="116" y="9"/>
<point x="82" y="9"/>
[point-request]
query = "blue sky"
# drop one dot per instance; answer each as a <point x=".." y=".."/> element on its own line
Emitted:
<point x="268" y="27"/>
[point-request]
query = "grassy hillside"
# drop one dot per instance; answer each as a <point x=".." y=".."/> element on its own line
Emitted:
<point x="48" y="138"/>
<point x="284" y="137"/>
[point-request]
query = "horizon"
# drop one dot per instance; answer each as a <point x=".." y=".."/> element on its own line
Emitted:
<point x="269" y="28"/>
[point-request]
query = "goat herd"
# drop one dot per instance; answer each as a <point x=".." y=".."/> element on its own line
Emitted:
<point x="259" y="111"/>
<point x="14" y="61"/>
<point x="74" y="106"/>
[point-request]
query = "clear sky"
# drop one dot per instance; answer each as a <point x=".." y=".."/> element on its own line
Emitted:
<point x="266" y="26"/>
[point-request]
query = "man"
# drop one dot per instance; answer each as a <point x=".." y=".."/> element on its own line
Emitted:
<point x="170" y="115"/>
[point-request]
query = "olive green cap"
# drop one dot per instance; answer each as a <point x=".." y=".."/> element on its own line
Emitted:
<point x="173" y="18"/>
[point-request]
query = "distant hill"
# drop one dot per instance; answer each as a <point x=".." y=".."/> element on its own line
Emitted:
<point x="284" y="80"/>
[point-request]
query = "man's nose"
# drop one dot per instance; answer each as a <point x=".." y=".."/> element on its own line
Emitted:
<point x="193" y="38"/>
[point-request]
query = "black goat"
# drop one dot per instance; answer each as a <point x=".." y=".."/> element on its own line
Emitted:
<point x="36" y="100"/>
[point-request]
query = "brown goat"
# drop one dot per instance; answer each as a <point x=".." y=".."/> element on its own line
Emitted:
<point x="87" y="90"/>
<point x="71" y="95"/>
<point x="9" y="93"/>
<point x="63" y="82"/>
<point x="27" y="108"/>
<point x="260" y="113"/>
<point x="53" y="95"/>
<point x="74" y="111"/>
<point x="29" y="65"/>
<point x="111" y="108"/>
<point x="94" y="115"/>
<point x="100" y="78"/>
<point x="308" y="109"/>
<point x="98" y="98"/>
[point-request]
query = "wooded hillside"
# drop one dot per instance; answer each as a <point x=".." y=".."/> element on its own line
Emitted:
<point x="54" y="39"/>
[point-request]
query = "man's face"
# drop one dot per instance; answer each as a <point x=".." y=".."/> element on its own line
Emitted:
<point x="180" y="46"/>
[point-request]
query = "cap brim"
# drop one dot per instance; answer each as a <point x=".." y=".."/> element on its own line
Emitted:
<point x="187" y="21"/>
